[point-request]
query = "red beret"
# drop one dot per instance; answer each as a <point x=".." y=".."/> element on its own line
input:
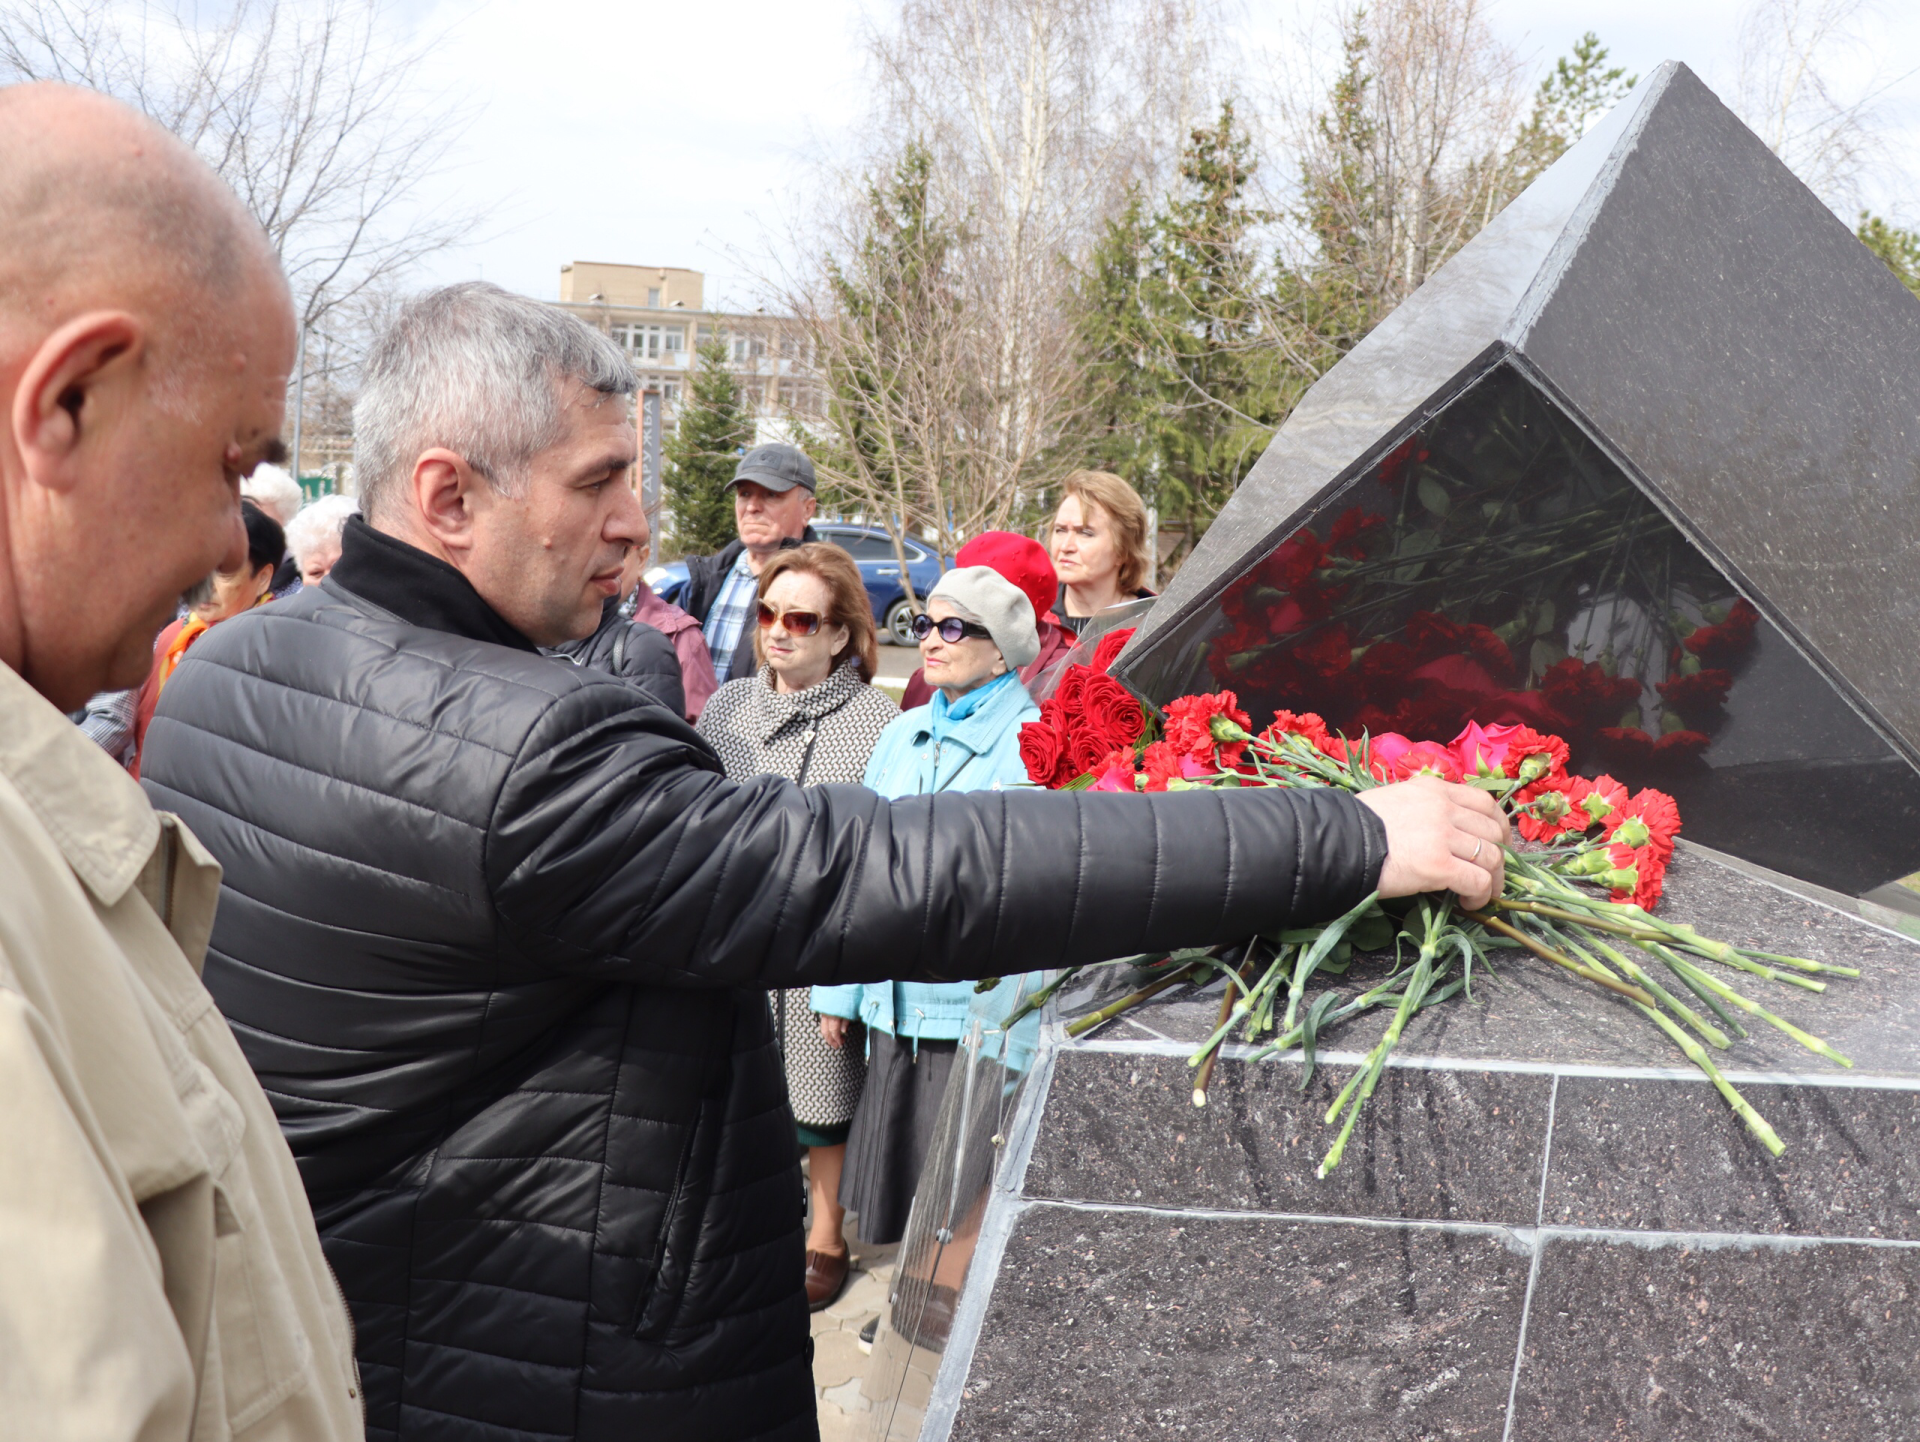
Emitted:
<point x="1020" y="559"/>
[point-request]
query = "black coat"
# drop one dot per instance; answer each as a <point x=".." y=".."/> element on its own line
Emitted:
<point x="497" y="939"/>
<point x="634" y="651"/>
<point x="705" y="575"/>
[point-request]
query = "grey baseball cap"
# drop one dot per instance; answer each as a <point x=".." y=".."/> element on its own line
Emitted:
<point x="777" y="467"/>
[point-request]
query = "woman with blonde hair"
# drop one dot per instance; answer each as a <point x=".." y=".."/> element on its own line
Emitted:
<point x="809" y="714"/>
<point x="1099" y="546"/>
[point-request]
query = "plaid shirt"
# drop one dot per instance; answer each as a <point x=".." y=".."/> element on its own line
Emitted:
<point x="732" y="609"/>
<point x="107" y="721"/>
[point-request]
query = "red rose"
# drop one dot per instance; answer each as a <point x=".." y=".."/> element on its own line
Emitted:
<point x="1111" y="711"/>
<point x="1730" y="639"/>
<point x="1583" y="690"/>
<point x="1087" y="748"/>
<point x="1111" y="645"/>
<point x="1073" y="682"/>
<point x="1488" y="649"/>
<point x="1042" y="749"/>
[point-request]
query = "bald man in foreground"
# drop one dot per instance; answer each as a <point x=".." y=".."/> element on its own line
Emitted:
<point x="160" y="1277"/>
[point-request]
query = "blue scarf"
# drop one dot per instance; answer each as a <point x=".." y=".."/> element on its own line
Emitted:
<point x="946" y="713"/>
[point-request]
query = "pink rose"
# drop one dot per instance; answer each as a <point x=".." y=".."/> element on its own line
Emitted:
<point x="1482" y="750"/>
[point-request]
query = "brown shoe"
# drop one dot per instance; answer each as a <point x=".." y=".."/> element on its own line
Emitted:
<point x="826" y="1278"/>
<point x="930" y="1328"/>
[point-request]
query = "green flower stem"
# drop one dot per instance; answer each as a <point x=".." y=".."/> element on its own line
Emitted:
<point x="1225" y="1023"/>
<point x="1756" y="1123"/>
<point x="1637" y="974"/>
<point x="1547" y="953"/>
<point x="1418" y="983"/>
<point x="1107" y="1013"/>
<point x="1752" y="1008"/>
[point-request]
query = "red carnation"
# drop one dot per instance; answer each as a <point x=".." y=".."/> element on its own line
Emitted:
<point x="1681" y="745"/>
<point x="1625" y="743"/>
<point x="1730" y="639"/>
<point x="1584" y="690"/>
<point x="1703" y="688"/>
<point x="1488" y="649"/>
<point x="1649" y="820"/>
<point x="1164" y="763"/>
<point x="1304" y="723"/>
<point x="1598" y="798"/>
<point x="1548" y="810"/>
<point x="1646" y="868"/>
<point x="1043" y="751"/>
<point x="1327" y="654"/>
<point x="1542" y="755"/>
<point x="1350" y="528"/>
<point x="1111" y="645"/>
<point x="1197" y="725"/>
<point x="1431" y="634"/>
<point x="1114" y="772"/>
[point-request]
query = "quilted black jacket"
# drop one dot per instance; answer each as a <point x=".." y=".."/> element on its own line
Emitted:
<point x="633" y="650"/>
<point x="496" y="939"/>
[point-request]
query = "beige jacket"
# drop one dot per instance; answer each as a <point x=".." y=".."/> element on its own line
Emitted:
<point x="160" y="1276"/>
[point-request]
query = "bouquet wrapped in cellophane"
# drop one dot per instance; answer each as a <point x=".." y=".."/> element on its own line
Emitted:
<point x="1580" y="887"/>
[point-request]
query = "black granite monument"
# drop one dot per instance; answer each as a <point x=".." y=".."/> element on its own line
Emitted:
<point x="1640" y="465"/>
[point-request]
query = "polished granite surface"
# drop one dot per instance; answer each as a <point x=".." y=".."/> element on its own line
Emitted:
<point x="1543" y="1204"/>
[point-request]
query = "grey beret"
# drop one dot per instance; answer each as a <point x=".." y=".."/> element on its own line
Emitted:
<point x="1003" y="608"/>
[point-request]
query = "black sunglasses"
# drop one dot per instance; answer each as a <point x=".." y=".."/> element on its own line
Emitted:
<point x="952" y="630"/>
<point x="797" y="623"/>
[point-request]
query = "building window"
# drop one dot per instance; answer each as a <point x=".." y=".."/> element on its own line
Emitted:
<point x="653" y="297"/>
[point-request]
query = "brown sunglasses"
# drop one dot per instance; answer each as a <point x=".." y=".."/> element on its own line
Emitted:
<point x="798" y="623"/>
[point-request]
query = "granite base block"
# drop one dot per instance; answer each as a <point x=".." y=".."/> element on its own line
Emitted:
<point x="1111" y="1325"/>
<point x="1445" y="1145"/>
<point x="1812" y="1344"/>
<point x="1671" y="1156"/>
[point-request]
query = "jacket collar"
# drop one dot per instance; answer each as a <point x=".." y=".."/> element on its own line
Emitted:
<point x="421" y="590"/>
<point x="96" y="814"/>
<point x="982" y="730"/>
<point x="774" y="709"/>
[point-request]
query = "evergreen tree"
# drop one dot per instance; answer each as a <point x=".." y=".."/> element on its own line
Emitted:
<point x="1578" y="91"/>
<point x="1897" y="247"/>
<point x="1184" y="385"/>
<point x="712" y="430"/>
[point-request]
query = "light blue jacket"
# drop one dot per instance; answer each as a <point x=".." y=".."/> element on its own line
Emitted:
<point x="974" y="752"/>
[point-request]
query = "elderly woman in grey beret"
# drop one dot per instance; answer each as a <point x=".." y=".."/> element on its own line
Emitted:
<point x="977" y="632"/>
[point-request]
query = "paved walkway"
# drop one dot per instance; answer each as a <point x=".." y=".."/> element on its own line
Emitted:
<point x="839" y="1366"/>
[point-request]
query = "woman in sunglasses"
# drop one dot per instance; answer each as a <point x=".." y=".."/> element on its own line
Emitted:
<point x="977" y="632"/>
<point x="809" y="715"/>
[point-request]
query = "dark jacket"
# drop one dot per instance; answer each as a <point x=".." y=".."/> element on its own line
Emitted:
<point x="497" y="941"/>
<point x="634" y="651"/>
<point x="704" y="577"/>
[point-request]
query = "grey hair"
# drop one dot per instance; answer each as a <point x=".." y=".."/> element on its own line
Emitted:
<point x="321" y="521"/>
<point x="275" y="492"/>
<point x="480" y="372"/>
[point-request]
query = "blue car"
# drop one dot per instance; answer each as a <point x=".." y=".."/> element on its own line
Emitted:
<point x="872" y="550"/>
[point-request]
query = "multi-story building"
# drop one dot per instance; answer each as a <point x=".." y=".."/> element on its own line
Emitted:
<point x="658" y="315"/>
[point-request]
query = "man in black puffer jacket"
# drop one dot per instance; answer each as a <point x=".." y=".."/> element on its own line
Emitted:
<point x="497" y="938"/>
<point x="633" y="651"/>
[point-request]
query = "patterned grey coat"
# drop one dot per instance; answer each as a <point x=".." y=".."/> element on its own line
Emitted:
<point x="821" y="736"/>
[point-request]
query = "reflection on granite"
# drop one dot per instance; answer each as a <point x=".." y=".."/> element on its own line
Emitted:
<point x="1670" y="1156"/>
<point x="1714" y="1346"/>
<point x="1535" y="1013"/>
<point x="1452" y="1146"/>
<point x="1129" y="1325"/>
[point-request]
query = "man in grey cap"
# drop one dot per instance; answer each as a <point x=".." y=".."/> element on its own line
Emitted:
<point x="772" y="504"/>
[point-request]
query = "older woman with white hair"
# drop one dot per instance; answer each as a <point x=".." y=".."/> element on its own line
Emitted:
<point x="314" y="536"/>
<point x="978" y="631"/>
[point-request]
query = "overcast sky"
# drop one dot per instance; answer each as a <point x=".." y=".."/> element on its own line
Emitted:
<point x="683" y="134"/>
